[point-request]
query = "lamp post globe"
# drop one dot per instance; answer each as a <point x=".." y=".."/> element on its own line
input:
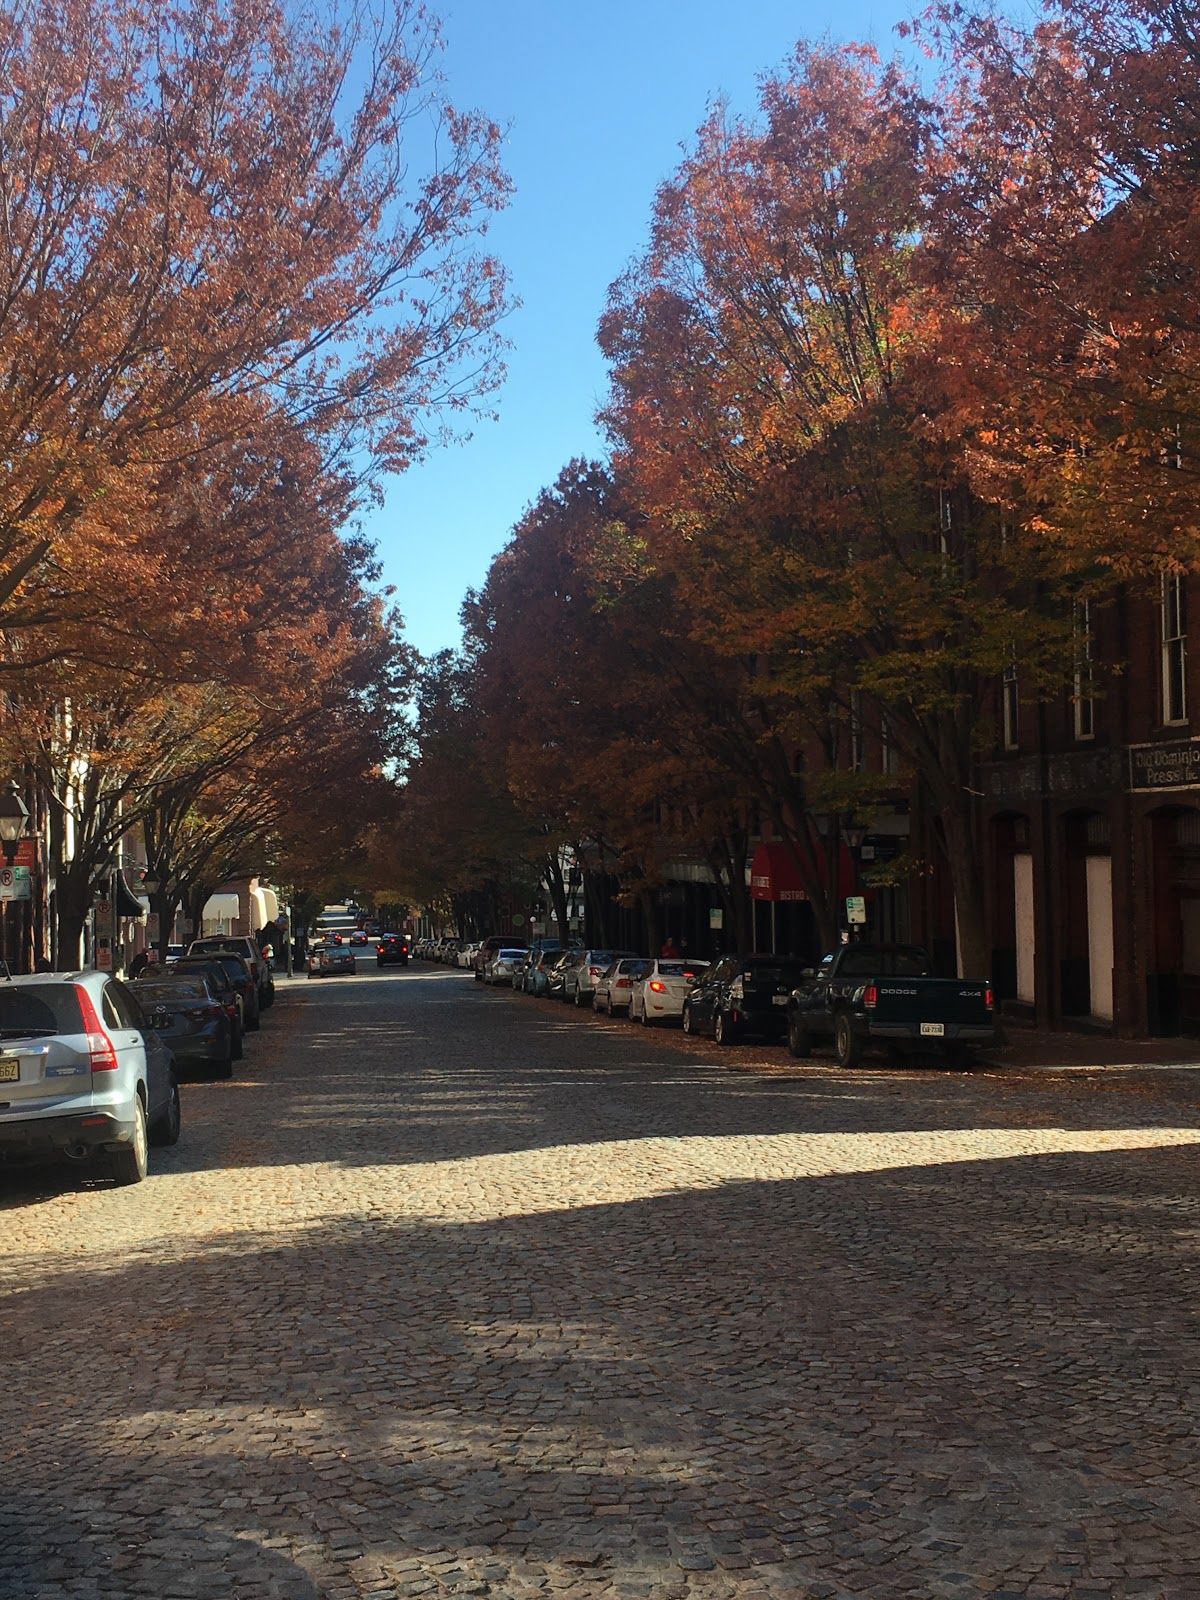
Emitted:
<point x="13" y="817"/>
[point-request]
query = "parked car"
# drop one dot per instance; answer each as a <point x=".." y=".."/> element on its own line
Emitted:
<point x="82" y="1074"/>
<point x="741" y="994"/>
<point x="616" y="984"/>
<point x="189" y="1017"/>
<point x="536" y="976"/>
<point x="392" y="950"/>
<point x="659" y="995"/>
<point x="556" y="972"/>
<point x="579" y="977"/>
<point x="500" y="968"/>
<point x="484" y="952"/>
<point x="865" y="994"/>
<point x="251" y="953"/>
<point x="240" y="977"/>
<point x="518" y="970"/>
<point x="327" y="960"/>
<point x="221" y="984"/>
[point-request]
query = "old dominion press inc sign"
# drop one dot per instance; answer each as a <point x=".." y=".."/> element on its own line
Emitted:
<point x="1165" y="766"/>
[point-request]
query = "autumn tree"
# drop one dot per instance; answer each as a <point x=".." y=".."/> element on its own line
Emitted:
<point x="1064" y="227"/>
<point x="778" y="413"/>
<point x="216" y="220"/>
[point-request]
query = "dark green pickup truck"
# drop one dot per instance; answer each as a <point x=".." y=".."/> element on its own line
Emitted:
<point x="866" y="994"/>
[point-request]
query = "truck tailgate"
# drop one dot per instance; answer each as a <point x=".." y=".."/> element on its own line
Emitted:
<point x="916" y="1000"/>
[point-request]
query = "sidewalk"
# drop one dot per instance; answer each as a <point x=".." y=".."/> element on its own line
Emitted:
<point x="1030" y="1049"/>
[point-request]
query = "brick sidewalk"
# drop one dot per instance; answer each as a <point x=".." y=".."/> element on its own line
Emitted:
<point x="1030" y="1048"/>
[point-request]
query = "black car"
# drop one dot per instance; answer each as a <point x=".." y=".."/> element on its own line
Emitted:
<point x="189" y="1018"/>
<point x="392" y="949"/>
<point x="219" y="982"/>
<point x="239" y="975"/>
<point x="742" y="994"/>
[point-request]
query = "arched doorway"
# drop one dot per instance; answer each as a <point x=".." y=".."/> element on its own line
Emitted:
<point x="1086" y="969"/>
<point x="1173" y="983"/>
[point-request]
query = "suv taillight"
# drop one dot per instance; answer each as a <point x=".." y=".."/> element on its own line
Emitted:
<point x="871" y="996"/>
<point x="989" y="999"/>
<point x="100" y="1046"/>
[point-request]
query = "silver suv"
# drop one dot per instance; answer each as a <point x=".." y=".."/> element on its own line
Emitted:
<point x="82" y="1074"/>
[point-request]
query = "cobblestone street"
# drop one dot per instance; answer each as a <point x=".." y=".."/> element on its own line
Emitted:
<point x="452" y="1292"/>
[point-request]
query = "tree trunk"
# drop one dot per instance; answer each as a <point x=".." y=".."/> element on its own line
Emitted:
<point x="967" y="880"/>
<point x="650" y="916"/>
<point x="594" y="898"/>
<point x="558" y="897"/>
<point x="72" y="902"/>
<point x="168" y="904"/>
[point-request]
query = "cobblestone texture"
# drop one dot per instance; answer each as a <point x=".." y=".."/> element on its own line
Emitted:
<point x="456" y="1293"/>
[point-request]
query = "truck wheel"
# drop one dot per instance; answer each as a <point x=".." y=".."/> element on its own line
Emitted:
<point x="846" y="1046"/>
<point x="798" y="1042"/>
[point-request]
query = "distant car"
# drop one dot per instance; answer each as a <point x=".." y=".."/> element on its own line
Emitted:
<point x="359" y="936"/>
<point x="325" y="961"/>
<point x="500" y="967"/>
<point x="579" y="977"/>
<point x="189" y="1017"/>
<point x="615" y="987"/>
<point x="82" y="1074"/>
<point x="662" y="989"/>
<point x="392" y="950"/>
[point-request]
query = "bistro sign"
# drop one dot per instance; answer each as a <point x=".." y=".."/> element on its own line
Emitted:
<point x="1164" y="766"/>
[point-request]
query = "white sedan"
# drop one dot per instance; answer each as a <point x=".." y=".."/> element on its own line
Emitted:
<point x="500" y="968"/>
<point x="614" y="991"/>
<point x="661" y="993"/>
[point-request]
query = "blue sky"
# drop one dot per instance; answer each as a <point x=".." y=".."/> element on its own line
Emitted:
<point x="599" y="98"/>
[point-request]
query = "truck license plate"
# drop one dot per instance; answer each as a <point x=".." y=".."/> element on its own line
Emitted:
<point x="779" y="999"/>
<point x="10" y="1070"/>
<point x="933" y="1030"/>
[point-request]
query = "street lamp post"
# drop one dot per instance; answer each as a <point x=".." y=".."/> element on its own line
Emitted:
<point x="14" y="815"/>
<point x="854" y="836"/>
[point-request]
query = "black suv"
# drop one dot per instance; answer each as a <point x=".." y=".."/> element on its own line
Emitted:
<point x="742" y="994"/>
<point x="392" y="949"/>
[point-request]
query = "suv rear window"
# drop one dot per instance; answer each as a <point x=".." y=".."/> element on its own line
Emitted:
<point x="774" y="971"/>
<point x="39" y="1008"/>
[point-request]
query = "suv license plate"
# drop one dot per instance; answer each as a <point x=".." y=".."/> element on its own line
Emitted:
<point x="933" y="1030"/>
<point x="10" y="1070"/>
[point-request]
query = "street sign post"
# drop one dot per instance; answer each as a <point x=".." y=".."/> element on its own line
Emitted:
<point x="856" y="910"/>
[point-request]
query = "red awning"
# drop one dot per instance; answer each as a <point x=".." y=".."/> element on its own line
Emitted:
<point x="774" y="875"/>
